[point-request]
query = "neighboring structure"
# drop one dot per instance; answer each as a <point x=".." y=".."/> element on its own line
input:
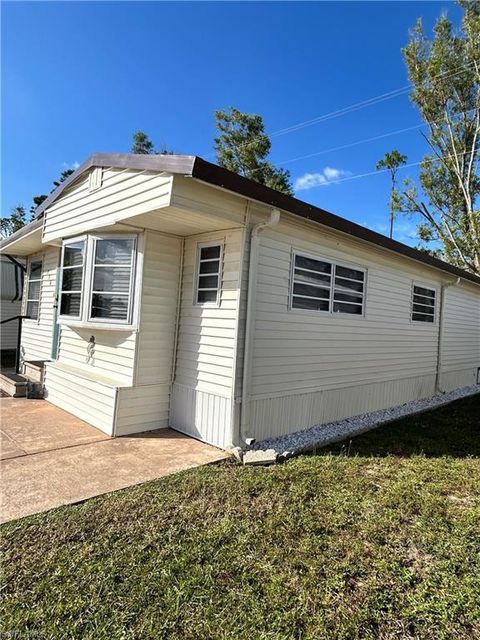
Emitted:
<point x="164" y="290"/>
<point x="11" y="274"/>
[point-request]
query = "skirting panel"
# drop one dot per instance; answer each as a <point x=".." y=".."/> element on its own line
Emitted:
<point x="203" y="415"/>
<point x="451" y="380"/>
<point x="142" y="408"/>
<point x="280" y="415"/>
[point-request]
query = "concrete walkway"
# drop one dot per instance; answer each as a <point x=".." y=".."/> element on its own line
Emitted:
<point x="50" y="458"/>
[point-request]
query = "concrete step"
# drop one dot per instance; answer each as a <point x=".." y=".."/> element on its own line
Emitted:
<point x="13" y="384"/>
<point x="34" y="370"/>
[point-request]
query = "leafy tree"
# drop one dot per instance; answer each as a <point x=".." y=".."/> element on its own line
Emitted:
<point x="392" y="161"/>
<point x="37" y="200"/>
<point x="15" y="221"/>
<point x="445" y="73"/>
<point x="63" y="176"/>
<point x="143" y="145"/>
<point x="242" y="146"/>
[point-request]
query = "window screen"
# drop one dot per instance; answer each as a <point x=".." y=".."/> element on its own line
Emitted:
<point x="72" y="278"/>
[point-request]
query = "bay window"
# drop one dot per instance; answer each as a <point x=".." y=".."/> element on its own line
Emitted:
<point x="97" y="280"/>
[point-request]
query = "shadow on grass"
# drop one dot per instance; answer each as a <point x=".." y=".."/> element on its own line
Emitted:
<point x="452" y="430"/>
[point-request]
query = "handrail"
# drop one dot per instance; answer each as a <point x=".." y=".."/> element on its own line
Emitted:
<point x="19" y="338"/>
<point x="15" y="318"/>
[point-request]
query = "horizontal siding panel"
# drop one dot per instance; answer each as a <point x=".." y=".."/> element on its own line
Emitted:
<point x="123" y="194"/>
<point x="88" y="400"/>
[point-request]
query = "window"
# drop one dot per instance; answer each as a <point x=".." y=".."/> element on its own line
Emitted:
<point x="209" y="273"/>
<point x="72" y="279"/>
<point x="318" y="285"/>
<point x="97" y="279"/>
<point x="423" y="304"/>
<point x="34" y="285"/>
<point x="112" y="279"/>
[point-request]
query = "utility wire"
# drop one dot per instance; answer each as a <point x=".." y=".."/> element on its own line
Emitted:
<point x="351" y="108"/>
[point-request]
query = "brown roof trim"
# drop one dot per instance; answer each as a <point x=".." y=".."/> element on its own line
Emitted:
<point x="210" y="173"/>
<point x="213" y="174"/>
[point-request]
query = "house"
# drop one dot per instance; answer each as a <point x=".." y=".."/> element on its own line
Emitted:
<point x="11" y="274"/>
<point x="165" y="290"/>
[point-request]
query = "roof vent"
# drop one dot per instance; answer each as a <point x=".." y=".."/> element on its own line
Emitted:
<point x="95" y="179"/>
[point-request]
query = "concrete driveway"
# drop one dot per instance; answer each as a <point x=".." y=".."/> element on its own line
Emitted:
<point x="50" y="458"/>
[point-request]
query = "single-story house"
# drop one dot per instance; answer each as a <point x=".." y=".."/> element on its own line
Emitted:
<point x="167" y="291"/>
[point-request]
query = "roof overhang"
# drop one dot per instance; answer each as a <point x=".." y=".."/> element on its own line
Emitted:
<point x="212" y="174"/>
<point x="25" y="241"/>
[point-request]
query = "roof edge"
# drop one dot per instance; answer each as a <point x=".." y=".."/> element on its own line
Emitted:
<point x="213" y="174"/>
<point x="30" y="227"/>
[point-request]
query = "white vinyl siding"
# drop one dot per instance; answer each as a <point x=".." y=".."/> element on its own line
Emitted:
<point x="88" y="399"/>
<point x="202" y="395"/>
<point x="460" y="353"/>
<point x="303" y="359"/>
<point x="123" y="193"/>
<point x="37" y="334"/>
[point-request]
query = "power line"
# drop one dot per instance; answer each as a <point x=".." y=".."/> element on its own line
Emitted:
<point x="376" y="172"/>
<point x="352" y="108"/>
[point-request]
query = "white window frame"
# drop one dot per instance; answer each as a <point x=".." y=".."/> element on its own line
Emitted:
<point x="431" y="287"/>
<point x="334" y="264"/>
<point x="200" y="246"/>
<point x="91" y="272"/>
<point x="83" y="239"/>
<point x="85" y="317"/>
<point x="39" y="258"/>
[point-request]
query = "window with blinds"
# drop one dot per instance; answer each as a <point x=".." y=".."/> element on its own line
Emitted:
<point x="97" y="280"/>
<point x="34" y="284"/>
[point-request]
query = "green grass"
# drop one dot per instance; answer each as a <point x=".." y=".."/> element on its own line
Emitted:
<point x="378" y="538"/>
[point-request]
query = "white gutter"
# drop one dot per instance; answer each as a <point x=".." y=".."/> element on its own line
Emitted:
<point x="244" y="436"/>
<point x="177" y="314"/>
<point x="440" y="332"/>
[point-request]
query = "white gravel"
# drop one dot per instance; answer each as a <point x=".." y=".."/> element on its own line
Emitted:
<point x="320" y="435"/>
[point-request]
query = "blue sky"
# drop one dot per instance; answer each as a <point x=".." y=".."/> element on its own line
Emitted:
<point x="80" y="77"/>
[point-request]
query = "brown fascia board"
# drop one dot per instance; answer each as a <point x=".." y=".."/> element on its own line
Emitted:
<point x="213" y="174"/>
<point x="210" y="173"/>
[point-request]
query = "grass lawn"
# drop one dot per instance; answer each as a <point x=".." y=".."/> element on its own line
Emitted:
<point x="378" y="538"/>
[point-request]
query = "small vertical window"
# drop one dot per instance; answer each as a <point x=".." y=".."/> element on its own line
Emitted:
<point x="111" y="294"/>
<point x="72" y="279"/>
<point x="423" y="304"/>
<point x="209" y="274"/>
<point x="34" y="285"/>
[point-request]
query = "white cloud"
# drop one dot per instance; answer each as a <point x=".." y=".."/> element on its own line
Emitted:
<point x="327" y="176"/>
<point x="70" y="165"/>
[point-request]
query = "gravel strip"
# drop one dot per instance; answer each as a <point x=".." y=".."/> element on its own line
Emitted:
<point x="320" y="435"/>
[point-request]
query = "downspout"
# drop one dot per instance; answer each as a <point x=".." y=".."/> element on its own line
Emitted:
<point x="177" y="314"/>
<point x="440" y="332"/>
<point x="244" y="438"/>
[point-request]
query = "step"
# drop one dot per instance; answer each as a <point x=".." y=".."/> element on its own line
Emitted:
<point x="34" y="370"/>
<point x="13" y="384"/>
